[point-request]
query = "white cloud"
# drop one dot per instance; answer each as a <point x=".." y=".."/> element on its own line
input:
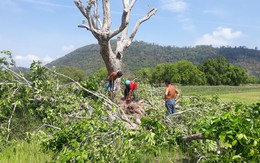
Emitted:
<point x="174" y="5"/>
<point x="25" y="61"/>
<point x="220" y="37"/>
<point x="68" y="48"/>
<point x="180" y="7"/>
<point x="29" y="57"/>
<point x="218" y="12"/>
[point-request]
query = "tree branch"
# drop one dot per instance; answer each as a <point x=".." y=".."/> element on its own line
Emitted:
<point x="18" y="76"/>
<point x="201" y="157"/>
<point x="84" y="26"/>
<point x="123" y="42"/>
<point x="81" y="8"/>
<point x="96" y="15"/>
<point x="198" y="136"/>
<point x="124" y="20"/>
<point x="125" y="3"/>
<point x="124" y="23"/>
<point x="47" y="125"/>
<point x="132" y="4"/>
<point x="148" y="15"/>
<point x="7" y="83"/>
<point x="9" y="122"/>
<point x="106" y="15"/>
<point x="86" y="12"/>
<point x="180" y="112"/>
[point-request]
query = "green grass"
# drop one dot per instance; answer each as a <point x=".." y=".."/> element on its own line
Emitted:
<point x="23" y="152"/>
<point x="247" y="94"/>
<point x="166" y="155"/>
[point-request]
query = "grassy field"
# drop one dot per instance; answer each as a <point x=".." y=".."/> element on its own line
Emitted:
<point x="23" y="152"/>
<point x="246" y="94"/>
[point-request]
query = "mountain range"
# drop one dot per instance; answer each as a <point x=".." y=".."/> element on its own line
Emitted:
<point x="141" y="54"/>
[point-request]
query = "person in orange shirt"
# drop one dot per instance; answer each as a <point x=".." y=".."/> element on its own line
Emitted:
<point x="130" y="89"/>
<point x="171" y="96"/>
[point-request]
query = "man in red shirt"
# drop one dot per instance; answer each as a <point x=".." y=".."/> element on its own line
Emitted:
<point x="130" y="89"/>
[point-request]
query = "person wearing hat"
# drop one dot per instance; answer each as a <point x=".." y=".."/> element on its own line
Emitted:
<point x="130" y="89"/>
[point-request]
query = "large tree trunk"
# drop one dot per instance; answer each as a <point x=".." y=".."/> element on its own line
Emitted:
<point x="112" y="61"/>
<point x="101" y="30"/>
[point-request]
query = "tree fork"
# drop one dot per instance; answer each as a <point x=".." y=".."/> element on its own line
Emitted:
<point x="102" y="32"/>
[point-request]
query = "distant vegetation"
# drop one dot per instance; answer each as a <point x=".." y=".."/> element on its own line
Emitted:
<point x="144" y="55"/>
<point x="212" y="72"/>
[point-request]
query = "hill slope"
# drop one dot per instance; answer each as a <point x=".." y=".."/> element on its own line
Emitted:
<point x="141" y="54"/>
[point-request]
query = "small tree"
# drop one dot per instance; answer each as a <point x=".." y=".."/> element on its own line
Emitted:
<point x="101" y="30"/>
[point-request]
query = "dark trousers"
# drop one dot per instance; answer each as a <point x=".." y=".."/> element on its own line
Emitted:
<point x="170" y="105"/>
<point x="134" y="94"/>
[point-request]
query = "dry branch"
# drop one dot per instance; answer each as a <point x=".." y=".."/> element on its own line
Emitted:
<point x="9" y="122"/>
<point x="18" y="76"/>
<point x="48" y="125"/>
<point x="198" y="136"/>
<point x="149" y="14"/>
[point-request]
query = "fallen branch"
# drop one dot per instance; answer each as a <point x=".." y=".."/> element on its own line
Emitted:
<point x="201" y="157"/>
<point x="7" y="83"/>
<point x="107" y="100"/>
<point x="9" y="122"/>
<point x="198" y="136"/>
<point x="180" y="112"/>
<point x="18" y="76"/>
<point x="47" y="125"/>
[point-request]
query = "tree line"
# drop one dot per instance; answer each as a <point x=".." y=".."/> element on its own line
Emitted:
<point x="214" y="71"/>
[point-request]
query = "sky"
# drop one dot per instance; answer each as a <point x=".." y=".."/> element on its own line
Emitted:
<point x="46" y="30"/>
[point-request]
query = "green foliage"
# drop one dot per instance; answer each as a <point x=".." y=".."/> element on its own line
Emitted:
<point x="72" y="72"/>
<point x="81" y="126"/>
<point x="183" y="72"/>
<point x="220" y="72"/>
<point x="101" y="74"/>
<point x="7" y="61"/>
<point x="253" y="80"/>
<point x="95" y="82"/>
<point x="94" y="140"/>
<point x="15" y="119"/>
<point x="212" y="72"/>
<point x="27" y="104"/>
<point x="238" y="130"/>
<point x="189" y="74"/>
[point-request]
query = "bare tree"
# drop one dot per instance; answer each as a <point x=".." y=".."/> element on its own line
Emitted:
<point x="101" y="30"/>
